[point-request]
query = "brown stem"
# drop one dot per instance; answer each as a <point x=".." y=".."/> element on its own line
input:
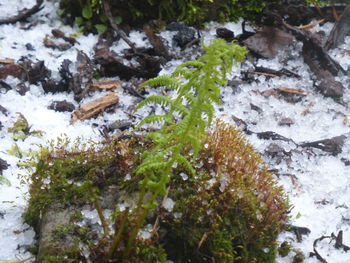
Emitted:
<point x="117" y="236"/>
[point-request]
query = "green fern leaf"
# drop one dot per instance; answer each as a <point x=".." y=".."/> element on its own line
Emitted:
<point x="181" y="160"/>
<point x="152" y="119"/>
<point x="155" y="99"/>
<point x="164" y="80"/>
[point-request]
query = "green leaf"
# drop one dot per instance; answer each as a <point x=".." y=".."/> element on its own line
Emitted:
<point x="79" y="21"/>
<point x="101" y="28"/>
<point x="61" y="12"/>
<point x="185" y="163"/>
<point x="152" y="119"/>
<point x="15" y="151"/>
<point x="103" y="18"/>
<point x="155" y="99"/>
<point x="164" y="80"/>
<point x="87" y="12"/>
<point x="4" y="181"/>
<point x="117" y="20"/>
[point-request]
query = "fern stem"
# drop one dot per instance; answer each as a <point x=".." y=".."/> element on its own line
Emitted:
<point x="99" y="211"/>
<point x="118" y="235"/>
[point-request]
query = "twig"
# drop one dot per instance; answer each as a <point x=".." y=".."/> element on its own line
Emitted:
<point x="318" y="256"/>
<point x="121" y="33"/>
<point x="311" y="25"/>
<point x="259" y="73"/>
<point x="23" y="14"/>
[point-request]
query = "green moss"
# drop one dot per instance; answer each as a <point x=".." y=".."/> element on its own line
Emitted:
<point x="61" y="175"/>
<point x="284" y="249"/>
<point x="299" y="257"/>
<point x="233" y="219"/>
<point x="227" y="209"/>
<point x="89" y="13"/>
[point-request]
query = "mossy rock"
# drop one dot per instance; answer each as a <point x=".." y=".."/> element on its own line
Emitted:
<point x="231" y="211"/>
<point x="56" y="235"/>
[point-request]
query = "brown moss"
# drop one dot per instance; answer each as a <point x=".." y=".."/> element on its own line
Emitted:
<point x="233" y="211"/>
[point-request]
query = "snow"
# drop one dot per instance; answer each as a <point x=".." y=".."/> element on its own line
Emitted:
<point x="320" y="194"/>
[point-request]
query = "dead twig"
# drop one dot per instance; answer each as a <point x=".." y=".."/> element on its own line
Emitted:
<point x="23" y="14"/>
<point x="315" y="253"/>
<point x="311" y="25"/>
<point x="121" y="33"/>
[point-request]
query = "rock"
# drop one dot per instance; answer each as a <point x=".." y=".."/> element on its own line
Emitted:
<point x="225" y="33"/>
<point x="29" y="47"/>
<point x="185" y="34"/>
<point x="62" y="106"/>
<point x="54" y="216"/>
<point x="120" y="125"/>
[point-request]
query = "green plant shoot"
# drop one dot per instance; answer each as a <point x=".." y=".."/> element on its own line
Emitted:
<point x="197" y="84"/>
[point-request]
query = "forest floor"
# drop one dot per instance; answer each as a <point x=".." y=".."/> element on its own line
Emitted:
<point x="302" y="134"/>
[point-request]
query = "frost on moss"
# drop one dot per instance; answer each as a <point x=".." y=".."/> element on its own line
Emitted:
<point x="231" y="210"/>
<point x="234" y="209"/>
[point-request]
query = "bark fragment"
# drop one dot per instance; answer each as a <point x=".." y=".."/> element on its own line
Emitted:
<point x="93" y="108"/>
<point x="340" y="30"/>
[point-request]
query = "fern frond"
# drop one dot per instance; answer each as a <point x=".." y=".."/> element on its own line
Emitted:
<point x="198" y="88"/>
<point x="179" y="107"/>
<point x="209" y="111"/>
<point x="162" y="81"/>
<point x="189" y="98"/>
<point x="181" y="160"/>
<point x="151" y="167"/>
<point x="191" y="64"/>
<point x="155" y="99"/>
<point x="152" y="119"/>
<point x="195" y="143"/>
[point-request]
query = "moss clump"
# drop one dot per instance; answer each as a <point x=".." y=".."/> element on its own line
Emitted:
<point x="89" y="13"/>
<point x="63" y="172"/>
<point x="232" y="212"/>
